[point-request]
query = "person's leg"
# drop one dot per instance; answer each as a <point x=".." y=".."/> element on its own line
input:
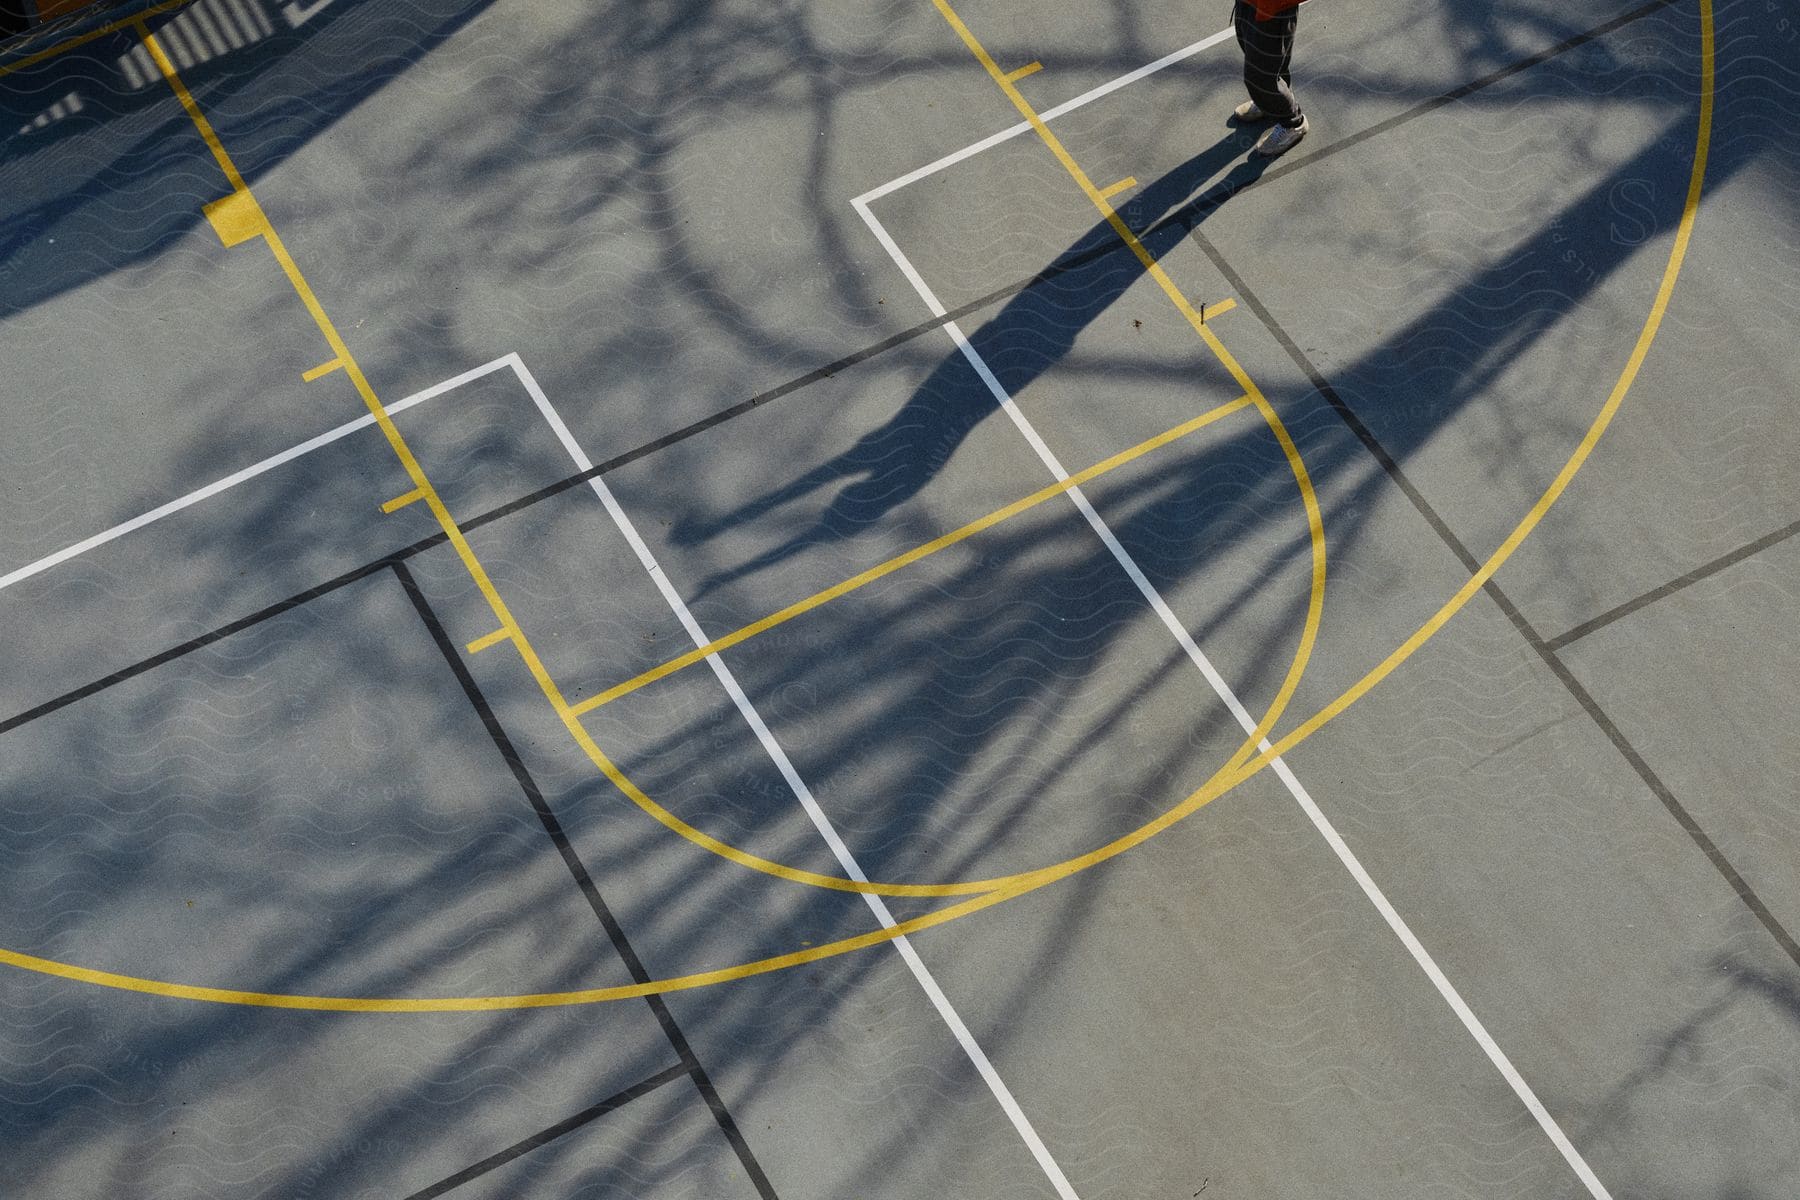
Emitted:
<point x="1268" y="48"/>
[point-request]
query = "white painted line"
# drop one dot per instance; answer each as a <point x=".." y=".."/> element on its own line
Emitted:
<point x="846" y="860"/>
<point x="230" y="481"/>
<point x="1339" y="847"/>
<point x="1067" y="106"/>
<point x="1552" y="1129"/>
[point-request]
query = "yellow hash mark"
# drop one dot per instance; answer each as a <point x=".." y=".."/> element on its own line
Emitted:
<point x="237" y="218"/>
<point x="401" y="501"/>
<point x="324" y="369"/>
<point x="1124" y="185"/>
<point x="1217" y="310"/>
<point x="1030" y="68"/>
<point x="882" y="570"/>
<point x="489" y="639"/>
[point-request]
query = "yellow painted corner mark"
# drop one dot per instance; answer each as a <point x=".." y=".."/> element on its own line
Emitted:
<point x="1217" y="310"/>
<point x="909" y="557"/>
<point x="488" y="640"/>
<point x="322" y="370"/>
<point x="402" y="500"/>
<point x="1030" y="68"/>
<point x="1124" y="185"/>
<point x="237" y="218"/>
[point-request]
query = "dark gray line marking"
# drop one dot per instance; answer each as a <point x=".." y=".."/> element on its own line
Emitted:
<point x="615" y="933"/>
<point x="1468" y="89"/>
<point x="1675" y="585"/>
<point x="546" y="1136"/>
<point x="188" y="647"/>
<point x="1676" y="809"/>
<point x="1745" y="893"/>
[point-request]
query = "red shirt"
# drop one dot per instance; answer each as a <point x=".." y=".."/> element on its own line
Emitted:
<point x="1266" y="9"/>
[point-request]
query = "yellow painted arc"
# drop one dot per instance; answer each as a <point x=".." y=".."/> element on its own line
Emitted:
<point x="511" y="630"/>
<point x="655" y="987"/>
<point x="1214" y="788"/>
<point x="917" y="554"/>
<point x="453" y="1004"/>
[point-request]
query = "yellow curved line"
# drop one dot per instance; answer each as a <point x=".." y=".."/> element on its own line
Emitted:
<point x="510" y="629"/>
<point x="1034" y="876"/>
<point x="1577" y="459"/>
<point x="1296" y="669"/>
<point x="1215" y="787"/>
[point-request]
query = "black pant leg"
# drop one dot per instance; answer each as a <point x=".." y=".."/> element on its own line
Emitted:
<point x="1268" y="48"/>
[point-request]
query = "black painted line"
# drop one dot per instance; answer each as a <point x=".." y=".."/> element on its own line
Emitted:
<point x="1694" y="576"/>
<point x="188" y="647"/>
<point x="1345" y="413"/>
<point x="1745" y="893"/>
<point x="615" y="933"/>
<point x="1676" y="809"/>
<point x="546" y="1136"/>
<point x="1468" y="89"/>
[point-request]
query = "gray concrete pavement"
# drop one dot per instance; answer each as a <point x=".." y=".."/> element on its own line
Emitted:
<point x="249" y="747"/>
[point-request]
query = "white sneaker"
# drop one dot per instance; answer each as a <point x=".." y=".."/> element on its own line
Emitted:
<point x="1248" y="114"/>
<point x="1280" y="140"/>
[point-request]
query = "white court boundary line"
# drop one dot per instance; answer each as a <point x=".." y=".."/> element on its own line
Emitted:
<point x="846" y="860"/>
<point x="927" y="982"/>
<point x="220" y="486"/>
<point x="1391" y="916"/>
<point x="1024" y="127"/>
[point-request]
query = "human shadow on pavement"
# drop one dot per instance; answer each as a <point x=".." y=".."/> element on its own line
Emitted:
<point x="1035" y="330"/>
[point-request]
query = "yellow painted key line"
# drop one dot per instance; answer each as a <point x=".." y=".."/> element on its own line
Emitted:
<point x="916" y="554"/>
<point x="1315" y="522"/>
<point x="238" y="218"/>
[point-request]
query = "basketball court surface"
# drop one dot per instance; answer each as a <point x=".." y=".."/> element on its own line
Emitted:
<point x="847" y="600"/>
